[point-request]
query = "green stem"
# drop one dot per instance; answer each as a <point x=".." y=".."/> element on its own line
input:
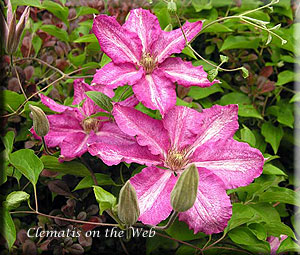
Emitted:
<point x="35" y="198"/>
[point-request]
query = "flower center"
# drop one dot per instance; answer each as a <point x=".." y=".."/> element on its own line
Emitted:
<point x="176" y="160"/>
<point x="148" y="62"/>
<point x="90" y="124"/>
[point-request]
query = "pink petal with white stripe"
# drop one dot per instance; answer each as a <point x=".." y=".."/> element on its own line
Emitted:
<point x="153" y="188"/>
<point x="113" y="146"/>
<point x="217" y="122"/>
<point x="184" y="73"/>
<point x="113" y="75"/>
<point x="236" y="163"/>
<point x="182" y="124"/>
<point x="212" y="209"/>
<point x="74" y="145"/>
<point x="173" y="41"/>
<point x="53" y="105"/>
<point x="149" y="132"/>
<point x="80" y="87"/>
<point x="61" y="126"/>
<point x="145" y="25"/>
<point x="117" y="42"/>
<point x="156" y="92"/>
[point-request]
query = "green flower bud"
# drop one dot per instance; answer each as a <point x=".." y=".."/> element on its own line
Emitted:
<point x="172" y="6"/>
<point x="184" y="193"/>
<point x="128" y="208"/>
<point x="40" y="121"/>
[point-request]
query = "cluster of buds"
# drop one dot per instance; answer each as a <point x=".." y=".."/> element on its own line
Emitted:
<point x="12" y="31"/>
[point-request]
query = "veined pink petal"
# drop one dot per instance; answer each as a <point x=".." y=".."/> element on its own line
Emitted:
<point x="113" y="146"/>
<point x="217" y="122"/>
<point x="236" y="163"/>
<point x="61" y="126"/>
<point x="9" y="13"/>
<point x="143" y="23"/>
<point x="156" y="92"/>
<point x="174" y="42"/>
<point x="118" y="43"/>
<point x="105" y="90"/>
<point x="113" y="75"/>
<point x="55" y="106"/>
<point x="275" y="243"/>
<point x="150" y="132"/>
<point x="182" y="124"/>
<point x="153" y="188"/>
<point x="184" y="73"/>
<point x="80" y="87"/>
<point x="130" y="101"/>
<point x="212" y="208"/>
<point x="74" y="145"/>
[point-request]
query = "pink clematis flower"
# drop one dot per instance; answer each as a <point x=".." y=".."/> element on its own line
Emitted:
<point x="140" y="53"/>
<point x="275" y="243"/>
<point x="74" y="128"/>
<point x="183" y="137"/>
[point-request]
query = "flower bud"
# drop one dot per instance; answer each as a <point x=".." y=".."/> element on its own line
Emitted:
<point x="40" y="121"/>
<point x="184" y="193"/>
<point x="128" y="208"/>
<point x="168" y="28"/>
<point x="172" y="6"/>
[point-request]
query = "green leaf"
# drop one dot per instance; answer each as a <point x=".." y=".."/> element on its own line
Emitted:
<point x="8" y="141"/>
<point x="76" y="60"/>
<point x="86" y="39"/>
<point x="240" y="42"/>
<point x="200" y="5"/>
<point x="242" y="235"/>
<point x="288" y="245"/>
<point x="55" y="31"/>
<point x="235" y="98"/>
<point x="87" y="182"/>
<point x="27" y="163"/>
<point x="103" y="101"/>
<point x="279" y="228"/>
<point x="272" y="134"/>
<point x="105" y="60"/>
<point x="215" y="28"/>
<point x="212" y="74"/>
<point x="285" y="114"/>
<point x="11" y="100"/>
<point x="249" y="111"/>
<point x="258" y="230"/>
<point x="187" y="51"/>
<point x="270" y="169"/>
<point x="199" y="93"/>
<point x="285" y="77"/>
<point x="7" y="228"/>
<point x="245" y="72"/>
<point x="248" y="136"/>
<point x="14" y="199"/>
<point x="295" y="98"/>
<point x="37" y="44"/>
<point x="59" y="11"/>
<point x="34" y="3"/>
<point x="180" y="230"/>
<point x="68" y="167"/>
<point x="280" y="194"/>
<point x="84" y="10"/>
<point x="105" y="199"/>
<point x="266" y="212"/>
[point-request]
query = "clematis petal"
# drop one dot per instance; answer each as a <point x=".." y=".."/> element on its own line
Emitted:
<point x="118" y="43"/>
<point x="216" y="122"/>
<point x="182" y="124"/>
<point x="153" y="188"/>
<point x="55" y="106"/>
<point x="236" y="163"/>
<point x="184" y="73"/>
<point x="212" y="208"/>
<point x="105" y="90"/>
<point x="61" y="126"/>
<point x="150" y="132"/>
<point x="113" y="146"/>
<point x="174" y="42"/>
<point x="143" y="23"/>
<point x="156" y="92"/>
<point x="113" y="75"/>
<point x="74" y="145"/>
<point x="80" y="87"/>
<point x="130" y="101"/>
